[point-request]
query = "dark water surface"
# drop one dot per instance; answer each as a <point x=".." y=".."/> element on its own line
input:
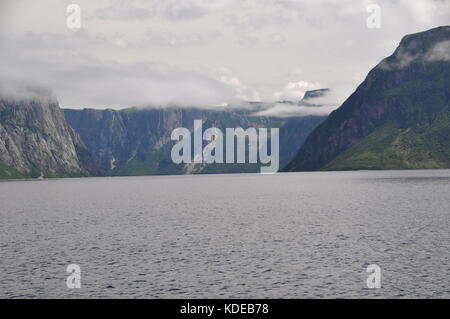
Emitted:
<point x="228" y="236"/>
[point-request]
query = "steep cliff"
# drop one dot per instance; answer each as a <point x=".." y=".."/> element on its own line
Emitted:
<point x="136" y="141"/>
<point x="399" y="117"/>
<point x="38" y="138"/>
<point x="35" y="139"/>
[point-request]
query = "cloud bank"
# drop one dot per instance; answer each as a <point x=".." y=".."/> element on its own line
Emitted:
<point x="203" y="52"/>
<point x="113" y="85"/>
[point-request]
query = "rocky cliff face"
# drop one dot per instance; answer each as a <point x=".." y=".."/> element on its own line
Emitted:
<point x="137" y="141"/>
<point x="399" y="117"/>
<point x="35" y="139"/>
<point x="293" y="134"/>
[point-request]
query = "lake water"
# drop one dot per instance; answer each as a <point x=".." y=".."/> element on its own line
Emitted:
<point x="296" y="235"/>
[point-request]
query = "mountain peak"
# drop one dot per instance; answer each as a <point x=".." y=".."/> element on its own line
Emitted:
<point x="427" y="37"/>
<point x="427" y="46"/>
<point x="398" y="118"/>
<point x="315" y="93"/>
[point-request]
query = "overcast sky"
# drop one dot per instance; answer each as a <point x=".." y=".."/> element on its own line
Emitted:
<point x="201" y="52"/>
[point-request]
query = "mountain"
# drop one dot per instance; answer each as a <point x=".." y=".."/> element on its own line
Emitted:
<point x="36" y="140"/>
<point x="313" y="94"/>
<point x="136" y="141"/>
<point x="295" y="130"/>
<point x="398" y="118"/>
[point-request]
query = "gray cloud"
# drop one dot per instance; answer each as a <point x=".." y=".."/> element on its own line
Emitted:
<point x="97" y="83"/>
<point x="169" y="9"/>
<point x="172" y="51"/>
<point x="124" y="10"/>
<point x="170" y="39"/>
<point x="19" y="90"/>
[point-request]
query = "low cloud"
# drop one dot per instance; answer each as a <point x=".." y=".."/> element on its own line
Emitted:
<point x="321" y="105"/>
<point x="440" y="52"/>
<point x="285" y="110"/>
<point x="403" y="57"/>
<point x="20" y="90"/>
<point x="95" y="83"/>
<point x="294" y="91"/>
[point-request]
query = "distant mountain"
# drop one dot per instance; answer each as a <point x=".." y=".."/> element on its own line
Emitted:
<point x="38" y="138"/>
<point x="311" y="95"/>
<point x="35" y="140"/>
<point x="295" y="130"/>
<point x="137" y="141"/>
<point x="398" y="118"/>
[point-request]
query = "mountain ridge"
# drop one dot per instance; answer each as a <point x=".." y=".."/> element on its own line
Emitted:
<point x="406" y="94"/>
<point x="137" y="141"/>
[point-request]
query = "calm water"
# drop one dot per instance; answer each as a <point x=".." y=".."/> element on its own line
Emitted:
<point x="228" y="236"/>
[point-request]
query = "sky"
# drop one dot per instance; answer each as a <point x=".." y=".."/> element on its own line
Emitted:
<point x="202" y="53"/>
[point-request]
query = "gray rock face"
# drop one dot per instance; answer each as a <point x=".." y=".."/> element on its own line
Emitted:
<point x="35" y="139"/>
<point x="137" y="141"/>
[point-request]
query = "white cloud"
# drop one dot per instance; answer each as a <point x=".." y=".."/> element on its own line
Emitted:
<point x="440" y="52"/>
<point x="284" y="110"/>
<point x="14" y="89"/>
<point x="403" y="57"/>
<point x="243" y="92"/>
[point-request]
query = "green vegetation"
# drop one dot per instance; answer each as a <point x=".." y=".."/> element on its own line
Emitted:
<point x="392" y="147"/>
<point x="150" y="162"/>
<point x="7" y="172"/>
